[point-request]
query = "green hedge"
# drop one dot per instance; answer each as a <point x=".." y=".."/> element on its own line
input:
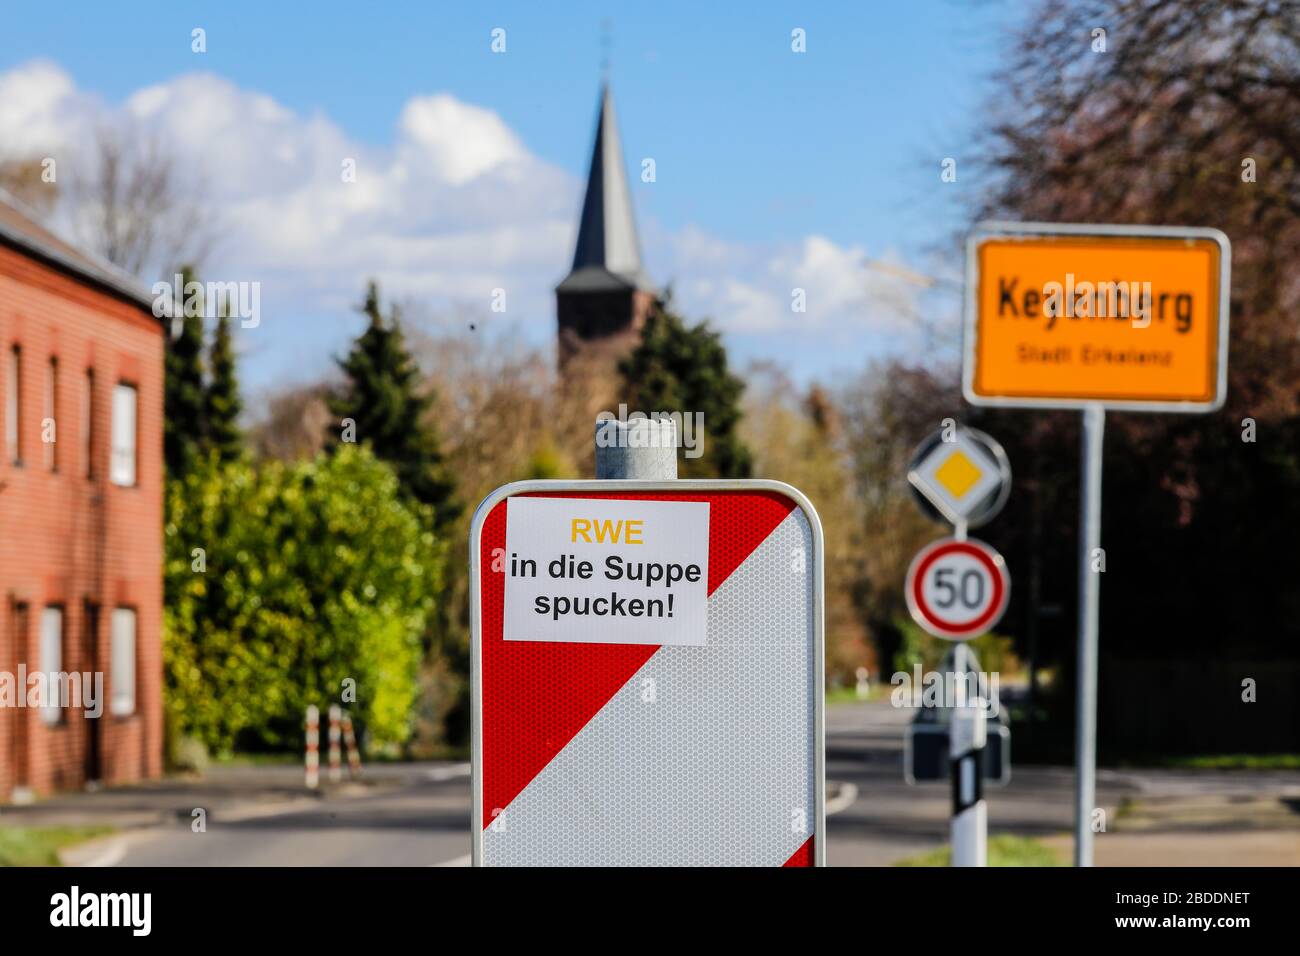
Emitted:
<point x="315" y="572"/>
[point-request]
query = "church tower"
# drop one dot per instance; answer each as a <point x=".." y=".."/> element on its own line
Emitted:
<point x="603" y="302"/>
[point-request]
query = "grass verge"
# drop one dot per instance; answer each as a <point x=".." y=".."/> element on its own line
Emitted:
<point x="1233" y="762"/>
<point x="1004" y="850"/>
<point x="849" y="695"/>
<point x="39" y="846"/>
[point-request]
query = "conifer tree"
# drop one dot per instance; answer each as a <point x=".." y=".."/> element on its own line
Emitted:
<point x="381" y="404"/>
<point x="680" y="368"/>
<point x="222" y="403"/>
<point x="184" y="395"/>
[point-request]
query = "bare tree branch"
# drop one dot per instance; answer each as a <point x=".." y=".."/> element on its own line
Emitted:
<point x="132" y="205"/>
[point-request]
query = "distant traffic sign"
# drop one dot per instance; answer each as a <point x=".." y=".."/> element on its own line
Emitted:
<point x="962" y="474"/>
<point x="957" y="589"/>
<point x="1126" y="317"/>
<point x="926" y="758"/>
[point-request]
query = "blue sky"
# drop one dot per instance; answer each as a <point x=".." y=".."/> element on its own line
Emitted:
<point x="775" y="164"/>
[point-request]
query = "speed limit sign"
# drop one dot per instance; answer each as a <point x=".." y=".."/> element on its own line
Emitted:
<point x="957" y="589"/>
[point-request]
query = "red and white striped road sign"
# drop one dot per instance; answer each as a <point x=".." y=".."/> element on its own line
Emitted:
<point x="647" y="670"/>
<point x="957" y="589"/>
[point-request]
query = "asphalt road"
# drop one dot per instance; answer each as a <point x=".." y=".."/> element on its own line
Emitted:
<point x="417" y="815"/>
<point x="891" y="819"/>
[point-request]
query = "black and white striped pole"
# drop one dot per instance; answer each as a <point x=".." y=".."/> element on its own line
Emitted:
<point x="957" y="589"/>
<point x="966" y="735"/>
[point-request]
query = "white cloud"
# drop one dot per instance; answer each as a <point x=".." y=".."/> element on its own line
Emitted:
<point x="41" y="109"/>
<point x="463" y="141"/>
<point x="749" y="288"/>
<point x="454" y="207"/>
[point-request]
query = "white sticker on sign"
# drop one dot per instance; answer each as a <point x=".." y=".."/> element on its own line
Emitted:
<point x="606" y="571"/>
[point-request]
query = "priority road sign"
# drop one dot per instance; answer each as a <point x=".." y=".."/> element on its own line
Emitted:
<point x="957" y="589"/>
<point x="961" y="474"/>
<point x="1125" y="317"/>
<point x="646" y="675"/>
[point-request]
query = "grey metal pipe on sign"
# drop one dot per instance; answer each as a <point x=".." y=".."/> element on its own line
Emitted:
<point x="641" y="448"/>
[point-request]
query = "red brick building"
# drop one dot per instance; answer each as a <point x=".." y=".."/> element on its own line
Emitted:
<point x="81" y="549"/>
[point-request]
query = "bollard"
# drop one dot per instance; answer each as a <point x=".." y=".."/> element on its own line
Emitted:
<point x="350" y="742"/>
<point x="313" y="747"/>
<point x="863" y="688"/>
<point x="336" y="770"/>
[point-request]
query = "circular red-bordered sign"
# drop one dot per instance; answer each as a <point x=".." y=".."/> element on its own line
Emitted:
<point x="957" y="590"/>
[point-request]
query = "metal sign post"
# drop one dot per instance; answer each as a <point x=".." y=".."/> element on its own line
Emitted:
<point x="1085" y="734"/>
<point x="969" y="826"/>
<point x="1133" y="318"/>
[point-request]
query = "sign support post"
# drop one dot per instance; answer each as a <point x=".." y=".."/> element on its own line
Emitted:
<point x="1085" y="731"/>
<point x="644" y="449"/>
<point x="965" y="478"/>
<point x="967" y="735"/>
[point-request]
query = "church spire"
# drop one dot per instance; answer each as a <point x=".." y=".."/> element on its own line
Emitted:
<point x="608" y="253"/>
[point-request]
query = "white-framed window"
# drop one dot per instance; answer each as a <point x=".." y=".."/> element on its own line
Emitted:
<point x="122" y="678"/>
<point x="88" y="424"/>
<point x="13" y="413"/>
<point x="51" y="660"/>
<point x="121" y="467"/>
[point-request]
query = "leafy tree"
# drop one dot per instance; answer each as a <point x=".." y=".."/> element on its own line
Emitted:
<point x="310" y="573"/>
<point x="680" y="368"/>
<point x="1190" y="117"/>
<point x="222" y="404"/>
<point x="387" y="410"/>
<point x="184" y="394"/>
<point x="800" y="439"/>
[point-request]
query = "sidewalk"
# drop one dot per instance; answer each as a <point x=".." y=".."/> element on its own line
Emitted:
<point x="1155" y="817"/>
<point x="225" y="793"/>
<point x="1190" y="849"/>
<point x="1246" y="821"/>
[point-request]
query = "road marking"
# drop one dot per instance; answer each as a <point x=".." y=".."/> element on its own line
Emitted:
<point x="111" y="854"/>
<point x="848" y="793"/>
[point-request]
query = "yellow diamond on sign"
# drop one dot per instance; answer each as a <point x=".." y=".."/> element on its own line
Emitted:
<point x="958" y="474"/>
